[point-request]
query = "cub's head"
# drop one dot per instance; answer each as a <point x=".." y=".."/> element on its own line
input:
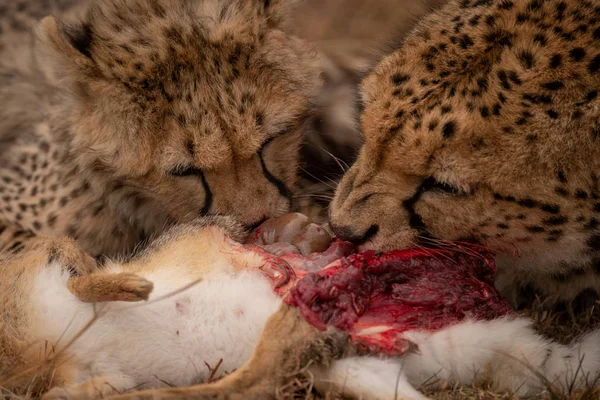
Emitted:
<point x="483" y="128"/>
<point x="196" y="104"/>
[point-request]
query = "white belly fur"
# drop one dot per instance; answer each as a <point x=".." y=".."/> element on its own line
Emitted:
<point x="164" y="342"/>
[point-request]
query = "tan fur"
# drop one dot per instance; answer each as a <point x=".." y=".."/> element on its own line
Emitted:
<point x="498" y="101"/>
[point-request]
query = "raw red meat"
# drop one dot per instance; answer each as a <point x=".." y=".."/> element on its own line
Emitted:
<point x="377" y="297"/>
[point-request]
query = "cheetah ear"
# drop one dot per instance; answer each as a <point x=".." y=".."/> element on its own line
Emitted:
<point x="65" y="49"/>
<point x="276" y="10"/>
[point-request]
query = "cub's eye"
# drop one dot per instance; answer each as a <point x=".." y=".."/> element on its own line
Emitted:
<point x="432" y="184"/>
<point x="186" y="171"/>
<point x="265" y="144"/>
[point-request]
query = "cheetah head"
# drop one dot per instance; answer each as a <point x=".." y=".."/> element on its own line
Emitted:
<point x="197" y="104"/>
<point x="482" y="128"/>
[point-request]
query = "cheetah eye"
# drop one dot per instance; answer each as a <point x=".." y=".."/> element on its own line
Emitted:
<point x="265" y="144"/>
<point x="269" y="140"/>
<point x="186" y="171"/>
<point x="431" y="184"/>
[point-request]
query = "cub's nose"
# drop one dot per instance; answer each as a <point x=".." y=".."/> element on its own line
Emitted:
<point x="346" y="233"/>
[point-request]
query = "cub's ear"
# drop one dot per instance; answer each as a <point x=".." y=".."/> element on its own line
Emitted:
<point x="276" y="10"/>
<point x="65" y="50"/>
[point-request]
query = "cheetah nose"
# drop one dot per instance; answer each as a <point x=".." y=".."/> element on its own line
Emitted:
<point x="346" y="233"/>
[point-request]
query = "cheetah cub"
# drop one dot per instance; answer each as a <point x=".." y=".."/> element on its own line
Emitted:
<point x="129" y="116"/>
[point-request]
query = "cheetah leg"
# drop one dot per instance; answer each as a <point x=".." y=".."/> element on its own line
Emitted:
<point x="288" y="347"/>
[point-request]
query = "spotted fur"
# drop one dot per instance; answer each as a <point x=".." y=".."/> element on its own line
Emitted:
<point x="485" y="126"/>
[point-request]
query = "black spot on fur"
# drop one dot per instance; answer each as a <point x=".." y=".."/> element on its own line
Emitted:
<point x="484" y="111"/>
<point x="16" y="248"/>
<point x="561" y="191"/>
<point x="503" y="79"/>
<point x="592" y="224"/>
<point x="577" y="54"/>
<point x="556" y="220"/>
<point x="555" y="61"/>
<point x="550" y="208"/>
<point x="448" y="129"/>
<point x="540" y="39"/>
<point x="594" y="242"/>
<point x="496" y="109"/>
<point x="554" y="235"/>
<point x="594" y="65"/>
<point x="553" y="85"/>
<point x="529" y="203"/>
<point x="523" y="17"/>
<point x="512" y="75"/>
<point x="562" y="178"/>
<point x="465" y="42"/>
<point x="51" y="221"/>
<point x="526" y="59"/>
<point x="535" y="229"/>
<point x="398" y="79"/>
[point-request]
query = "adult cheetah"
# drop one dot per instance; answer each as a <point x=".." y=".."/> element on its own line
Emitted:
<point x="485" y="126"/>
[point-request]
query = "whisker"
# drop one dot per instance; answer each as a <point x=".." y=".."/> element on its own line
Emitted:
<point x="338" y="161"/>
<point x="317" y="179"/>
<point x="314" y="196"/>
<point x="468" y="248"/>
<point x="432" y="253"/>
